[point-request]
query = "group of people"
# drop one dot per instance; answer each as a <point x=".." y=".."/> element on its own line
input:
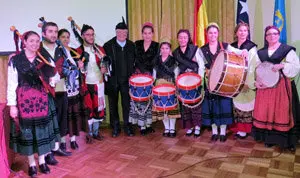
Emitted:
<point x="54" y="90"/>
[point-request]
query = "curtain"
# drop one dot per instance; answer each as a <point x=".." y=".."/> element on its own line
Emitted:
<point x="222" y="12"/>
<point x="141" y="11"/>
<point x="3" y="78"/>
<point x="167" y="16"/>
<point x="176" y="15"/>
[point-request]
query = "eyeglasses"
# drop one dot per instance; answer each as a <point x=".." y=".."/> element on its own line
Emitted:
<point x="272" y="34"/>
<point x="86" y="34"/>
<point x="122" y="32"/>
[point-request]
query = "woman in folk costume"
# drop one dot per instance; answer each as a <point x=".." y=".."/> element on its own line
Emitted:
<point x="188" y="59"/>
<point x="274" y="116"/>
<point x="244" y="102"/>
<point x="216" y="110"/>
<point x="32" y="109"/>
<point x="72" y="67"/>
<point x="93" y="84"/>
<point x="166" y="71"/>
<point x="146" y="50"/>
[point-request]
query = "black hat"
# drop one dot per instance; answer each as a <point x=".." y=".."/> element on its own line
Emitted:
<point x="86" y="27"/>
<point x="122" y="25"/>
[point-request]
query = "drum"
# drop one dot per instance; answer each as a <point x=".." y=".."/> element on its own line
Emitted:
<point x="164" y="98"/>
<point x="227" y="75"/>
<point x="140" y="87"/>
<point x="266" y="76"/>
<point x="189" y="88"/>
<point x="245" y="100"/>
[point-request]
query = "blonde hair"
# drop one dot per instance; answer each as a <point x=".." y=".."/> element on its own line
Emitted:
<point x="237" y="28"/>
<point x="212" y="24"/>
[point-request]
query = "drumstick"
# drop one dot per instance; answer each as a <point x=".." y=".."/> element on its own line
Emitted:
<point x="44" y="60"/>
<point x="77" y="26"/>
<point x="95" y="46"/>
<point x="40" y="25"/>
<point x="73" y="51"/>
<point x="13" y="28"/>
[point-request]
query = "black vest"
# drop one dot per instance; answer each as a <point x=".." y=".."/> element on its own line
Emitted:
<point x="209" y="57"/>
<point x="165" y="69"/>
<point x="246" y="45"/>
<point x="185" y="60"/>
<point x="277" y="56"/>
<point x="28" y="75"/>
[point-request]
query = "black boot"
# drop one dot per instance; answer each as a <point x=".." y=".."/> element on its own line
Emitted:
<point x="32" y="171"/>
<point x="63" y="146"/>
<point x="214" y="137"/>
<point x="44" y="168"/>
<point x="74" y="145"/>
<point x="223" y="138"/>
<point x="60" y="152"/>
<point x="150" y="130"/>
<point x="50" y="159"/>
<point x="143" y="132"/>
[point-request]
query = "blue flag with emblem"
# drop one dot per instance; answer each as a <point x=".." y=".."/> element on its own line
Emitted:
<point x="242" y="13"/>
<point x="280" y="20"/>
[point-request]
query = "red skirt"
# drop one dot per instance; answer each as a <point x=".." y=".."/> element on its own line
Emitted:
<point x="241" y="127"/>
<point x="273" y="107"/>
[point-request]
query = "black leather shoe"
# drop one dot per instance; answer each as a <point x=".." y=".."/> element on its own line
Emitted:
<point x="143" y="132"/>
<point x="98" y="137"/>
<point x="50" y="159"/>
<point x="150" y="130"/>
<point x="44" y="168"/>
<point x="189" y="133"/>
<point x="89" y="139"/>
<point x="116" y="133"/>
<point x="129" y="132"/>
<point x="63" y="146"/>
<point x="60" y="152"/>
<point x="32" y="171"/>
<point x="214" y="137"/>
<point x="172" y="134"/>
<point x="74" y="145"/>
<point x="223" y="138"/>
<point x="166" y="134"/>
<point x="196" y="135"/>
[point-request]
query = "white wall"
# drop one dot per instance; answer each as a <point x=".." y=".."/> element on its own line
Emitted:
<point x="103" y="15"/>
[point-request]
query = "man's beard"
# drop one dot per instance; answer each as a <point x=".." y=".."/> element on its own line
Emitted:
<point x="86" y="42"/>
<point x="48" y="40"/>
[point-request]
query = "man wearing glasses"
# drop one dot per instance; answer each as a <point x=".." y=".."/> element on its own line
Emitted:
<point x="92" y="84"/>
<point x="121" y="51"/>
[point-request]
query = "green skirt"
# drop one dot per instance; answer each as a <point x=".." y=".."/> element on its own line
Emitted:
<point x="36" y="136"/>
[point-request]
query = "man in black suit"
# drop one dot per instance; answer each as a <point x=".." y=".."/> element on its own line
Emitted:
<point x="121" y="52"/>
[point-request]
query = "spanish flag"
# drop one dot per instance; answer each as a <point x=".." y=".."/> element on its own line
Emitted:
<point x="200" y="23"/>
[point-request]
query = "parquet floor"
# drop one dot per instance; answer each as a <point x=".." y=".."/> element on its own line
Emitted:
<point x="157" y="156"/>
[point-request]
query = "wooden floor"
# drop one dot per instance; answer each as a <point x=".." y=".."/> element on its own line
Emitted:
<point x="157" y="156"/>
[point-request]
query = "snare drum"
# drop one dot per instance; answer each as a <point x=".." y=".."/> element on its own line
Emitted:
<point x="266" y="76"/>
<point x="227" y="75"/>
<point x="164" y="98"/>
<point x="189" y="88"/>
<point x="140" y="87"/>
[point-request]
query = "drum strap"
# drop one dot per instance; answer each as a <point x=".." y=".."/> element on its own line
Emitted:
<point x="221" y="45"/>
<point x="143" y="112"/>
